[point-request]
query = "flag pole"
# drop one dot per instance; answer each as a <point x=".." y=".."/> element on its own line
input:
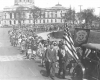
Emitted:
<point x="69" y="46"/>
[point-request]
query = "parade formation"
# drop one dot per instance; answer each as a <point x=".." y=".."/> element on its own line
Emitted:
<point x="59" y="55"/>
<point x="61" y="39"/>
<point x="51" y="53"/>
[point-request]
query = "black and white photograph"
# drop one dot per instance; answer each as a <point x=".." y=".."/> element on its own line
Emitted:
<point x="49" y="39"/>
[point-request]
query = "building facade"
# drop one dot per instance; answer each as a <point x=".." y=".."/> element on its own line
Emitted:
<point x="52" y="15"/>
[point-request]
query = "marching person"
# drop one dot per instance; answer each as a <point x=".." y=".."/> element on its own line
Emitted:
<point x="51" y="58"/>
<point x="46" y="61"/>
<point x="23" y="46"/>
<point x="28" y="49"/>
<point x="63" y="61"/>
<point x="56" y="48"/>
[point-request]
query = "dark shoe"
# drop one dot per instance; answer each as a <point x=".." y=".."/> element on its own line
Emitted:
<point x="63" y="77"/>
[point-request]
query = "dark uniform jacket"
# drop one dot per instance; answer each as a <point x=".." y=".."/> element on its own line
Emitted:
<point x="51" y="55"/>
<point x="61" y="58"/>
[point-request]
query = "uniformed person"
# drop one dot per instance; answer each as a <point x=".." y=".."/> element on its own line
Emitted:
<point x="46" y="61"/>
<point x="51" y="58"/>
<point x="63" y="58"/>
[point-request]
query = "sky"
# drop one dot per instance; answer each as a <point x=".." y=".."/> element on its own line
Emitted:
<point x="66" y="3"/>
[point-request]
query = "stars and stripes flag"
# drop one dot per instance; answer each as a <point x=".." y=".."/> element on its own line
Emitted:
<point x="69" y="43"/>
<point x="69" y="46"/>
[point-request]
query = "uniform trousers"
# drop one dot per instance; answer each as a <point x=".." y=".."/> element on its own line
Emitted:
<point x="50" y="68"/>
<point x="62" y="68"/>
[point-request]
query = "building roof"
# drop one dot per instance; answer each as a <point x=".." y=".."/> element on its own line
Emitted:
<point x="13" y="8"/>
<point x="58" y="6"/>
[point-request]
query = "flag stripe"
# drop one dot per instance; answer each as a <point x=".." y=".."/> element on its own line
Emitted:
<point x="66" y="34"/>
<point x="71" y="48"/>
<point x="70" y="51"/>
<point x="69" y="42"/>
<point x="69" y="36"/>
<point x="66" y="38"/>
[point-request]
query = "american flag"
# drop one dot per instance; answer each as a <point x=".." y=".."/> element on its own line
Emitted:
<point x="69" y="43"/>
<point x="69" y="46"/>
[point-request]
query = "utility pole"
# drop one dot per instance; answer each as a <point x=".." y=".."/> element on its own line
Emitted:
<point x="80" y="12"/>
<point x="99" y="11"/>
<point x="80" y="7"/>
<point x="73" y="16"/>
<point x="99" y="17"/>
<point x="70" y="15"/>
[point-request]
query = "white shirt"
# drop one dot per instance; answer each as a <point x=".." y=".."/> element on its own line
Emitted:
<point x="63" y="52"/>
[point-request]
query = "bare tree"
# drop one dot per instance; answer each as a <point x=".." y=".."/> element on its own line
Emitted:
<point x="35" y="13"/>
<point x="20" y="14"/>
<point x="69" y="16"/>
<point x="87" y="15"/>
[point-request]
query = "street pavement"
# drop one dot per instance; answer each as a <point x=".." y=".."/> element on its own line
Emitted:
<point x="13" y="65"/>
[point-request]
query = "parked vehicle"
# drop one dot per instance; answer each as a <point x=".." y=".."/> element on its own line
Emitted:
<point x="90" y="61"/>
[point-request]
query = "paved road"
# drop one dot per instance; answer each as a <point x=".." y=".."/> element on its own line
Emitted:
<point x="13" y="66"/>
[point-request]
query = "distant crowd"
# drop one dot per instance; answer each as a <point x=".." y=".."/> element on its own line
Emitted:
<point x="51" y="53"/>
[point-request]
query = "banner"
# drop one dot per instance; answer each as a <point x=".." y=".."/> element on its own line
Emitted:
<point x="81" y="36"/>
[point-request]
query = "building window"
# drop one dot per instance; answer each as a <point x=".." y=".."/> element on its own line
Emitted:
<point x="51" y="14"/>
<point x="5" y="15"/>
<point x="10" y="15"/>
<point x="51" y="20"/>
<point x="47" y="21"/>
<point x="29" y="21"/>
<point x="14" y="22"/>
<point x="43" y="21"/>
<point x="10" y="22"/>
<point x="44" y="15"/>
<point x="61" y="20"/>
<point x="40" y="20"/>
<point x="35" y="21"/>
<point x="55" y="20"/>
<point x="61" y="13"/>
<point x="56" y="14"/>
<point x="48" y="14"/>
<point x="5" y="22"/>
<point x="14" y="15"/>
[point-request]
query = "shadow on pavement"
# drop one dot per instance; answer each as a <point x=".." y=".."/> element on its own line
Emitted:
<point x="43" y="73"/>
<point x="56" y="75"/>
<point x="36" y="61"/>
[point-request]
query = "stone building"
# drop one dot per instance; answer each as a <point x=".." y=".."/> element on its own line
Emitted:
<point x="52" y="15"/>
